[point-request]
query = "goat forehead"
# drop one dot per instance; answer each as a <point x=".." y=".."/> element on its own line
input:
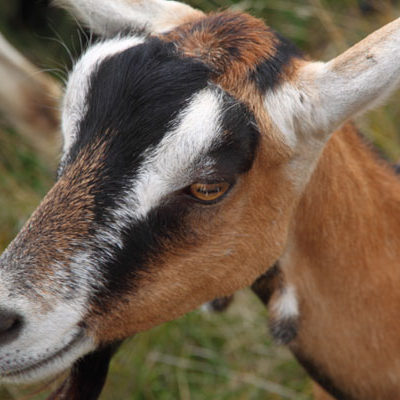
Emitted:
<point x="135" y="92"/>
<point x="152" y="113"/>
<point x="74" y="105"/>
<point x="239" y="48"/>
<point x="139" y="171"/>
<point x="140" y="76"/>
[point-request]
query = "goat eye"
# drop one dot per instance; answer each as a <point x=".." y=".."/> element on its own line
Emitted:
<point x="209" y="192"/>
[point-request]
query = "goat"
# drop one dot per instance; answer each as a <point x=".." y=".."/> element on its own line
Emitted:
<point x="29" y="99"/>
<point x="199" y="151"/>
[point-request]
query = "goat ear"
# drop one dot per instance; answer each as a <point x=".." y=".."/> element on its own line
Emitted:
<point x="322" y="96"/>
<point x="109" y="17"/>
<point x="357" y="80"/>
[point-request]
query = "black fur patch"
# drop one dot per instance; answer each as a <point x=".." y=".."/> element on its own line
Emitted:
<point x="283" y="330"/>
<point x="268" y="73"/>
<point x="321" y="377"/>
<point x="146" y="240"/>
<point x="87" y="376"/>
<point x="235" y="154"/>
<point x="267" y="283"/>
<point x="133" y="96"/>
<point x="221" y="304"/>
<point x="142" y="242"/>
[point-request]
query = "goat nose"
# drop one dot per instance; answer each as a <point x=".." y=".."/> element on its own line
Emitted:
<point x="10" y="325"/>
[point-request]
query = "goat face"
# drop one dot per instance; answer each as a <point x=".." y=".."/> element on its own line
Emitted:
<point x="152" y="211"/>
<point x="185" y="154"/>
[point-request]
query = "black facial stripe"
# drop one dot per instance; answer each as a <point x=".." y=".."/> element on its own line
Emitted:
<point x="236" y="153"/>
<point x="143" y="242"/>
<point x="133" y="96"/>
<point x="268" y="73"/>
<point x="165" y="225"/>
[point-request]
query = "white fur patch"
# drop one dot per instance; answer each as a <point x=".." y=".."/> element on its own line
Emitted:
<point x="280" y="105"/>
<point x="38" y="367"/>
<point x="286" y="305"/>
<point x="75" y="104"/>
<point x="50" y="339"/>
<point x="295" y="108"/>
<point x="168" y="167"/>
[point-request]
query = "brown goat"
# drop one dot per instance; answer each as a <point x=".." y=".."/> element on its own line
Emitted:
<point x="199" y="151"/>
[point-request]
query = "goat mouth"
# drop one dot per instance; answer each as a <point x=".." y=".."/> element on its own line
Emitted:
<point x="27" y="370"/>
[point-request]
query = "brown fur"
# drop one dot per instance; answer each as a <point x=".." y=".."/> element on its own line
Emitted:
<point x="233" y="44"/>
<point x="232" y="248"/>
<point x="226" y="40"/>
<point x="63" y="217"/>
<point x="343" y="262"/>
<point x="320" y="393"/>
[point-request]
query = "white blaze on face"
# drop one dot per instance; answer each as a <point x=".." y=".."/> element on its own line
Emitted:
<point x="75" y="99"/>
<point x="168" y="166"/>
<point x="286" y="305"/>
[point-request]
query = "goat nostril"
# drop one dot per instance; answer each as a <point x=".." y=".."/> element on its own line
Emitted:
<point x="10" y="323"/>
<point x="7" y="323"/>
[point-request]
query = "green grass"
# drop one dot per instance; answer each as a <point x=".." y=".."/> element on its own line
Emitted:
<point x="24" y="179"/>
<point x="200" y="357"/>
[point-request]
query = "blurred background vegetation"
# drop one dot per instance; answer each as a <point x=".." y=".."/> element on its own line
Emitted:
<point x="199" y="357"/>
